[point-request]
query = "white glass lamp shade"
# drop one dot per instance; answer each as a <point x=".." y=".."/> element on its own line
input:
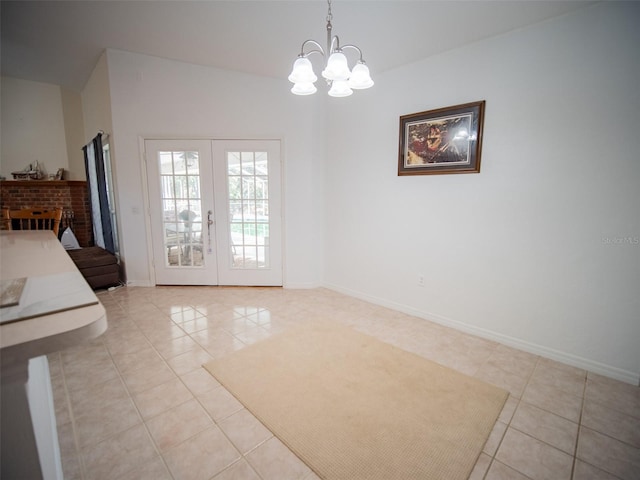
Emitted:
<point x="360" y="78"/>
<point x="304" y="88"/>
<point x="302" y="71"/>
<point x="337" y="67"/>
<point x="340" y="88"/>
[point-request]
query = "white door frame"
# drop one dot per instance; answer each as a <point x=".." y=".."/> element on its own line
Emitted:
<point x="266" y="265"/>
<point x="146" y="198"/>
<point x="186" y="238"/>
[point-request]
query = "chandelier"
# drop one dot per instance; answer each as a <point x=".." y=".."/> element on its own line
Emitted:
<point x="341" y="80"/>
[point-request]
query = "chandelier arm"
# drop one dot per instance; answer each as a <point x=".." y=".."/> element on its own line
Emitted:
<point x="355" y="48"/>
<point x="319" y="50"/>
<point x="334" y="44"/>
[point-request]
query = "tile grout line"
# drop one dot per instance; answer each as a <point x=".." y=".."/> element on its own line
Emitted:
<point x="129" y="394"/>
<point x="582" y="405"/>
<point x="581" y="427"/>
<point x="494" y="459"/>
<point x="76" y="442"/>
<point x="243" y="456"/>
<point x="195" y="397"/>
<point x="493" y="456"/>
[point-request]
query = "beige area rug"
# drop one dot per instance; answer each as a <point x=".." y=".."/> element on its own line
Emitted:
<point x="353" y="407"/>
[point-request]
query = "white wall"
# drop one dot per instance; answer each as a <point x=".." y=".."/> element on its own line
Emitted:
<point x="74" y="133"/>
<point x="32" y="126"/>
<point x="156" y="98"/>
<point x="542" y="248"/>
<point x="96" y="102"/>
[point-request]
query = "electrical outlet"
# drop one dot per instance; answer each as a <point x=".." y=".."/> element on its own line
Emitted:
<point x="420" y="280"/>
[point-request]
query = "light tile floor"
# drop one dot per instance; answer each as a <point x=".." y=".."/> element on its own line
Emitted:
<point x="136" y="404"/>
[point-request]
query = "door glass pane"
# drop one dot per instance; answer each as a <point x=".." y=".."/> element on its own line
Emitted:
<point x="262" y="187"/>
<point x="248" y="199"/>
<point x="166" y="163"/>
<point x="193" y="163"/>
<point x="182" y="204"/>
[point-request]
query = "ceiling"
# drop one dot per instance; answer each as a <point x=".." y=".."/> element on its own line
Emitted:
<point x="60" y="42"/>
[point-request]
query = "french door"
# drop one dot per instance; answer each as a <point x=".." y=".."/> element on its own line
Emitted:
<point x="215" y="211"/>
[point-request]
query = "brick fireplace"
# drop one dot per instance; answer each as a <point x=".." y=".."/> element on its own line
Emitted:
<point x="70" y="195"/>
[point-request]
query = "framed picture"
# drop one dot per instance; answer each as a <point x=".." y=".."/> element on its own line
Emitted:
<point x="446" y="140"/>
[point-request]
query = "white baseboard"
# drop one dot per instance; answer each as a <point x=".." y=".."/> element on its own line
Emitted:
<point x="301" y="286"/>
<point x="562" y="357"/>
<point x="140" y="283"/>
<point x="293" y="286"/>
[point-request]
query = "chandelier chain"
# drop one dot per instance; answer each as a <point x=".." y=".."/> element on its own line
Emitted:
<point x="329" y="14"/>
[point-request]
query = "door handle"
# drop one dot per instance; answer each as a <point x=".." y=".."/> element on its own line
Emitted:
<point x="209" y="223"/>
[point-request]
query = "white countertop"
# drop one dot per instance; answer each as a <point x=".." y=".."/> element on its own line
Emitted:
<point x="38" y="254"/>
